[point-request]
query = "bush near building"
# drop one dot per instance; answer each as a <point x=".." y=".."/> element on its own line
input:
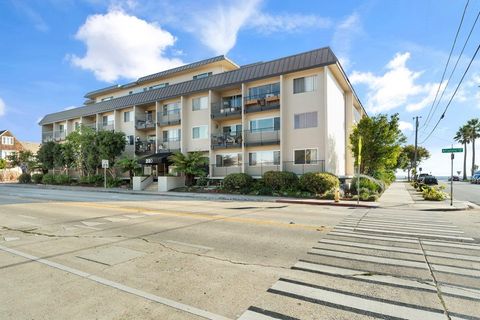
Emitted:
<point x="280" y="180"/>
<point x="37" y="178"/>
<point x="318" y="183"/>
<point x="238" y="182"/>
<point x="25" y="178"/>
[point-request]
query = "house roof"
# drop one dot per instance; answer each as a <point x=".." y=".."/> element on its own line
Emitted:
<point x="302" y="61"/>
<point x="159" y="75"/>
<point x="2" y="132"/>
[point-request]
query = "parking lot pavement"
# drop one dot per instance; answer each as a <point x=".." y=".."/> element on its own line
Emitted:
<point x="87" y="255"/>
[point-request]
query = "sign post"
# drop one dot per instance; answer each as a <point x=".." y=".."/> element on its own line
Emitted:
<point x="359" y="160"/>
<point x="105" y="166"/>
<point x="452" y="152"/>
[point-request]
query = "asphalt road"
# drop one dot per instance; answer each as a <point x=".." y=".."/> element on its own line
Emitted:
<point x="464" y="191"/>
<point x="86" y="255"/>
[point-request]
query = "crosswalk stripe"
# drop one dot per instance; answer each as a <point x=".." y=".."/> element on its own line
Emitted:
<point x="254" y="313"/>
<point x="364" y="236"/>
<point x="373" y="259"/>
<point x="452" y="255"/>
<point x="450" y="245"/>
<point x="423" y="235"/>
<point x="391" y="226"/>
<point x="401" y="223"/>
<point x="371" y="246"/>
<point x="460" y="291"/>
<point x="456" y="270"/>
<point x="355" y="303"/>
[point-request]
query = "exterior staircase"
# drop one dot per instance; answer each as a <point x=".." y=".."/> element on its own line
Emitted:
<point x="152" y="187"/>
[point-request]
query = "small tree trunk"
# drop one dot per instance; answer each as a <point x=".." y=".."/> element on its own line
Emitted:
<point x="465" y="163"/>
<point x="408" y="174"/>
<point x="189" y="179"/>
<point x="473" y="156"/>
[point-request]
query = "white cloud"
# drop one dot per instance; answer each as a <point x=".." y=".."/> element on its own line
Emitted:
<point x="69" y="108"/>
<point x="121" y="45"/>
<point x="267" y="24"/>
<point x="3" y="107"/>
<point x="345" y="32"/>
<point x="405" y="126"/>
<point x="32" y="15"/>
<point x="396" y="87"/>
<point x="431" y="89"/>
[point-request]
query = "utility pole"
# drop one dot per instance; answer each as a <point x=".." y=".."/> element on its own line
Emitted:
<point x="416" y="139"/>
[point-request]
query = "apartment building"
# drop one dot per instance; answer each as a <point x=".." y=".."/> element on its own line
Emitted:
<point x="294" y="114"/>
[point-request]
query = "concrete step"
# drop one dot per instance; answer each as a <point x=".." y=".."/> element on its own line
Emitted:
<point x="153" y="187"/>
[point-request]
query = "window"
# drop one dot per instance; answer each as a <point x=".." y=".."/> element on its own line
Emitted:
<point x="128" y="116"/>
<point x="262" y="91"/>
<point x="356" y="115"/>
<point x="77" y="125"/>
<point x="199" y="103"/>
<point x="149" y="116"/>
<point x="171" y="135"/>
<point x="107" y="98"/>
<point x="171" y="108"/>
<point x="61" y="127"/>
<point x="7" y="141"/>
<point x="228" y="160"/>
<point x="267" y="124"/>
<point x="157" y="86"/>
<point x="107" y="120"/>
<point x="264" y="158"/>
<point x="202" y="75"/>
<point x="305" y="156"/>
<point x="234" y="129"/>
<point x="305" y="84"/>
<point x="200" y="132"/>
<point x="130" y="140"/>
<point x="305" y="120"/>
<point x="232" y="102"/>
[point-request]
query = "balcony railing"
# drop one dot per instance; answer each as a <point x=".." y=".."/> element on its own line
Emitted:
<point x="107" y="126"/>
<point x="169" y="145"/>
<point x="226" y="109"/>
<point x="145" y="123"/>
<point x="299" y="169"/>
<point x="262" y="136"/>
<point x="263" y="102"/>
<point x="59" y="135"/>
<point x="145" y="147"/>
<point x="92" y="126"/>
<point x="260" y="168"/>
<point x="47" y="136"/>
<point x="222" y="171"/>
<point x="226" y="140"/>
<point x="170" y="118"/>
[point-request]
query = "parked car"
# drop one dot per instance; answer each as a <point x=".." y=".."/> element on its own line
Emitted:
<point x="455" y="178"/>
<point x="428" y="180"/>
<point x="421" y="175"/>
<point x="476" y="178"/>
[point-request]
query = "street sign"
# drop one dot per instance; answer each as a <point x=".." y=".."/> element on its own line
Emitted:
<point x="452" y="150"/>
<point x="105" y="164"/>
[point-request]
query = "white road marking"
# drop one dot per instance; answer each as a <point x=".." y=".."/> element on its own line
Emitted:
<point x="189" y="245"/>
<point x="252" y="315"/>
<point x="28" y="217"/>
<point x="133" y="216"/>
<point x="10" y="238"/>
<point x="371" y="246"/>
<point x="364" y="236"/>
<point x="70" y="228"/>
<point x="92" y="223"/>
<point x="119" y="286"/>
<point x="358" y="274"/>
<point x="87" y="227"/>
<point x="452" y="255"/>
<point x="402" y="223"/>
<point x="344" y="299"/>
<point x="404" y="233"/>
<point x="460" y="291"/>
<point x="361" y="257"/>
<point x="451" y="245"/>
<point x="456" y="270"/>
<point x="396" y="227"/>
<point x="113" y="219"/>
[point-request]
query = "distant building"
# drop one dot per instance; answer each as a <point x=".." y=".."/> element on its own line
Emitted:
<point x="290" y="114"/>
<point x="8" y="144"/>
<point x="30" y="146"/>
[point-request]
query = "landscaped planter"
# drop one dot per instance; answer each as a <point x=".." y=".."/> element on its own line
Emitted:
<point x="167" y="183"/>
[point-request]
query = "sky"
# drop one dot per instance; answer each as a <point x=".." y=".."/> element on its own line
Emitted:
<point x="394" y="52"/>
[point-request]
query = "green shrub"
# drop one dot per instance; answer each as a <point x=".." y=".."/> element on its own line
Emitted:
<point x="48" y="178"/>
<point x="113" y="182"/>
<point x="96" y="180"/>
<point x="241" y="182"/>
<point x="37" y="178"/>
<point x="202" y="181"/>
<point x="386" y="176"/>
<point x="366" y="182"/>
<point x="318" y="182"/>
<point x="433" y="194"/>
<point x="280" y="180"/>
<point x="329" y="195"/>
<point x="25" y="178"/>
<point x="62" y="179"/>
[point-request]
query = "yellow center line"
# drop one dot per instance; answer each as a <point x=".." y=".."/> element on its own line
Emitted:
<point x="193" y="215"/>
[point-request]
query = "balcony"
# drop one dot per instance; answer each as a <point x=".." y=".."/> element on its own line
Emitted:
<point x="260" y="168"/>
<point x="107" y="125"/>
<point x="218" y="171"/>
<point x="59" y="135"/>
<point x="226" y="140"/>
<point x="170" y="145"/>
<point x="226" y="110"/>
<point x="144" y="147"/>
<point x="170" y="118"/>
<point x="47" y="136"/>
<point x="145" y="123"/>
<point x="299" y="169"/>
<point x="92" y="126"/>
<point x="263" y="102"/>
<point x="262" y="137"/>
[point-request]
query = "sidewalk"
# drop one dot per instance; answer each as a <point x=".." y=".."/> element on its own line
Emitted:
<point x="402" y="194"/>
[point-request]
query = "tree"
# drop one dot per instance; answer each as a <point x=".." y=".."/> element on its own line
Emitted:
<point x="45" y="156"/>
<point x="474" y="125"/>
<point x="23" y="159"/>
<point x="381" y="143"/>
<point x="191" y="165"/>
<point x="110" y="145"/>
<point x="406" y="160"/>
<point x="82" y="147"/>
<point x="463" y="136"/>
<point x="129" y="165"/>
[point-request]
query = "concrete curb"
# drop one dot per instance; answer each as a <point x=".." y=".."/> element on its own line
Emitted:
<point x="329" y="203"/>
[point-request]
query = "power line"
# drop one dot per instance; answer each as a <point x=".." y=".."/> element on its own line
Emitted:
<point x="454" y="68"/>
<point x="446" y="65"/>
<point x="453" y="95"/>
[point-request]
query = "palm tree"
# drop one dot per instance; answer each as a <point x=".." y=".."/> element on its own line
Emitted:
<point x="474" y="125"/>
<point x="463" y="136"/>
<point x="129" y="165"/>
<point x="191" y="164"/>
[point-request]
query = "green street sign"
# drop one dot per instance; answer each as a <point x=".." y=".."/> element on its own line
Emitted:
<point x="452" y="150"/>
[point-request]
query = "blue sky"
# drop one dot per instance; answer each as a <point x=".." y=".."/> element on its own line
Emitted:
<point x="54" y="51"/>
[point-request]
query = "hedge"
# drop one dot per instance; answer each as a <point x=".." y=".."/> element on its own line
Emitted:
<point x="318" y="182"/>
<point x="37" y="178"/>
<point x="25" y="178"/>
<point x="237" y="182"/>
<point x="280" y="180"/>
